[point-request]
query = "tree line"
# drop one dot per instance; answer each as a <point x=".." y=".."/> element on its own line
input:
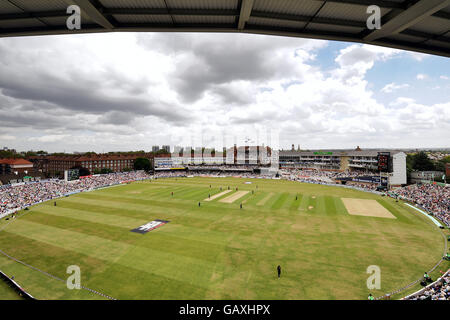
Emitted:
<point x="421" y="162"/>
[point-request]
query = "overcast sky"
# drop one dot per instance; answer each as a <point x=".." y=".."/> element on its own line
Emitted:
<point x="126" y="91"/>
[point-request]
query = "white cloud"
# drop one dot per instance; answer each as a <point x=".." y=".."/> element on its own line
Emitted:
<point x="389" y="88"/>
<point x="402" y="101"/>
<point x="421" y="76"/>
<point x="418" y="56"/>
<point x="131" y="91"/>
<point x="50" y="138"/>
<point x="5" y="137"/>
<point x="444" y="77"/>
<point x="355" y="60"/>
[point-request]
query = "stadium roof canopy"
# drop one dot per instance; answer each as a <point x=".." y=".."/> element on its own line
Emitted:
<point x="417" y="25"/>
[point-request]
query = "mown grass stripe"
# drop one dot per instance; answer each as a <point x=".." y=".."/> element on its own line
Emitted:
<point x="263" y="201"/>
<point x="125" y="204"/>
<point x="257" y="196"/>
<point x="186" y="247"/>
<point x="90" y="216"/>
<point x="149" y="212"/>
<point x="197" y="194"/>
<point x="304" y="202"/>
<point x="144" y="259"/>
<point x="340" y="207"/>
<point x="321" y="206"/>
<point x="296" y="201"/>
<point x="312" y="204"/>
<point x="280" y="200"/>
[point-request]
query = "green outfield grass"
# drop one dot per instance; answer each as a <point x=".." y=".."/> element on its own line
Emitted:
<point x="6" y="293"/>
<point x="217" y="251"/>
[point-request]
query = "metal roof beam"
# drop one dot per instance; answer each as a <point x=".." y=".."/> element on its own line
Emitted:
<point x="442" y="14"/>
<point x="408" y="18"/>
<point x="178" y="26"/>
<point x="175" y="11"/>
<point x="32" y="15"/>
<point x="246" y="10"/>
<point x="197" y="12"/>
<point x="49" y="30"/>
<point x="366" y="3"/>
<point x="125" y="11"/>
<point x="418" y="47"/>
<point x="427" y="36"/>
<point x="387" y="5"/>
<point x="88" y="8"/>
<point x="299" y="18"/>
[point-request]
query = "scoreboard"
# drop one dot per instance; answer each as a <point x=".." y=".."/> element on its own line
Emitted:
<point x="383" y="161"/>
<point x="72" y="174"/>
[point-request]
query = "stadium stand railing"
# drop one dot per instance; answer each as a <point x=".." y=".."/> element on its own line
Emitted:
<point x="417" y="294"/>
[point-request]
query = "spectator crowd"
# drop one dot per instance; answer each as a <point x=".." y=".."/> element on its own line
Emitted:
<point x="214" y="174"/>
<point x="435" y="199"/>
<point x="327" y="177"/>
<point x="14" y="197"/>
<point x="438" y="291"/>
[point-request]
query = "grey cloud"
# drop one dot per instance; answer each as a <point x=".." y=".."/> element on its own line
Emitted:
<point x="79" y="92"/>
<point x="31" y="120"/>
<point x="73" y="96"/>
<point x="357" y="54"/>
<point x="117" y="118"/>
<point x="208" y="61"/>
<point x="252" y="117"/>
<point x="230" y="96"/>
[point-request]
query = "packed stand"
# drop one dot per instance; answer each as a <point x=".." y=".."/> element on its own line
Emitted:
<point x="439" y="291"/>
<point x="326" y="177"/>
<point x="216" y="174"/>
<point x="435" y="199"/>
<point x="14" y="197"/>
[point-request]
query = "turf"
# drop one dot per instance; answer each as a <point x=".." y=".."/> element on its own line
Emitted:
<point x="6" y="293"/>
<point x="217" y="251"/>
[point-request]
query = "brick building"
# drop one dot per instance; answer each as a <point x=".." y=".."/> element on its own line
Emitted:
<point x="13" y="166"/>
<point x="17" y="170"/>
<point x="56" y="165"/>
